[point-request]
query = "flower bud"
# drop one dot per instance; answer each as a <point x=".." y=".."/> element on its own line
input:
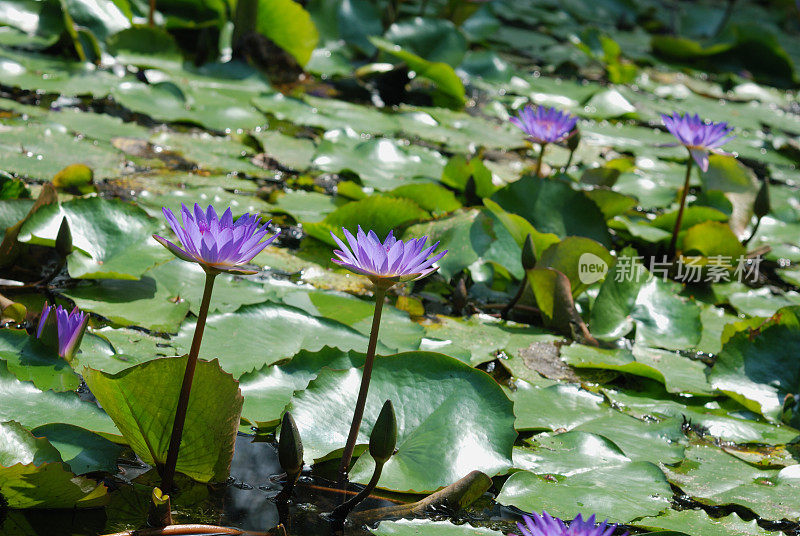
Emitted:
<point x="290" y="447"/>
<point x="574" y="140"/>
<point x="64" y="238"/>
<point x="528" y="255"/>
<point x="761" y="204"/>
<point x="383" y="438"/>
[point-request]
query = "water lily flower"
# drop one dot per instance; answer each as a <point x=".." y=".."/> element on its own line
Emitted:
<point x="70" y="328"/>
<point x="385" y="263"/>
<point x="388" y="262"/>
<point x="698" y="136"/>
<point x="217" y="244"/>
<point x="545" y="125"/>
<point x="546" y="525"/>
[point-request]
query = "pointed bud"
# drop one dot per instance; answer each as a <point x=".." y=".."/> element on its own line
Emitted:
<point x="64" y="238"/>
<point x="528" y="255"/>
<point x="761" y="204"/>
<point x="574" y="140"/>
<point x="290" y="447"/>
<point x="471" y="192"/>
<point x="383" y="438"/>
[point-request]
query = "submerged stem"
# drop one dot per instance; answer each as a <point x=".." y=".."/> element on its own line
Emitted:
<point x="358" y="413"/>
<point x="168" y="473"/>
<point x="674" y="240"/>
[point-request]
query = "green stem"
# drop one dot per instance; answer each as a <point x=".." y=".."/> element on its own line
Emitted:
<point x="569" y="160"/>
<point x="507" y="309"/>
<point x="339" y="514"/>
<point x="674" y="240"/>
<point x="358" y="413"/>
<point x="541" y="158"/>
<point x="168" y="473"/>
<point x="752" y="234"/>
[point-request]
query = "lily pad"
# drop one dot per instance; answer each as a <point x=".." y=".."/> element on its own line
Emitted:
<point x="620" y="493"/>
<point x="413" y="527"/>
<point x="142" y="400"/>
<point x="714" y="477"/>
<point x="441" y="397"/>
<point x="32" y="361"/>
<point x="32" y="475"/>
<point x="21" y="401"/>
<point x="552" y="206"/>
<point x="111" y="237"/>
<point x="758" y="369"/>
<point x="267" y="333"/>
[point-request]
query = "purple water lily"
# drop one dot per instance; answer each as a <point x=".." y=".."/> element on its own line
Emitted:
<point x="545" y="125"/>
<point x="216" y="243"/>
<point x="697" y="136"/>
<point x="546" y="525"/>
<point x="70" y="328"/>
<point x="387" y="262"/>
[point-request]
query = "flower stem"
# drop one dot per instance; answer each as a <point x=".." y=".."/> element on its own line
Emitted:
<point x="541" y="158"/>
<point x="339" y="514"/>
<point x="674" y="240"/>
<point x="358" y="413"/>
<point x="168" y="473"/>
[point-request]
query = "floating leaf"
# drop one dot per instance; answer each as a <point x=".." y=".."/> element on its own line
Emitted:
<point x="142" y="400"/>
<point x="441" y="397"/>
<point x="620" y="493"/>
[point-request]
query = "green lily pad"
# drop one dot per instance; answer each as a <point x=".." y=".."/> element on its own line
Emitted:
<point x="558" y="407"/>
<point x="267" y="333"/>
<point x="148" y="393"/>
<point x="21" y="401"/>
<point x="714" y="477"/>
<point x="145" y="303"/>
<point x="552" y="206"/>
<point x="184" y="282"/>
<point x="758" y="369"/>
<point x="111" y="237"/>
<point x="471" y="236"/>
<point x="397" y="331"/>
<point x="574" y="257"/>
<point x="378" y="213"/>
<point x="32" y="475"/>
<point x="412" y="527"/>
<point x="620" y="493"/>
<point x="479" y="338"/>
<point x="84" y="451"/>
<point x="268" y="390"/>
<point x="679" y="374"/>
<point x="611" y="312"/>
<point x="700" y="523"/>
<point x="441" y="397"/>
<point x="568" y="454"/>
<point x="663" y="319"/>
<point x="380" y="163"/>
<point x="290" y="26"/>
<point x="656" y="442"/>
<point x="32" y="361"/>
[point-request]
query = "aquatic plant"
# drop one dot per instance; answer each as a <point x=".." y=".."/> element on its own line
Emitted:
<point x="69" y="328"/>
<point x="385" y="264"/>
<point x="544" y="126"/>
<point x="217" y="245"/>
